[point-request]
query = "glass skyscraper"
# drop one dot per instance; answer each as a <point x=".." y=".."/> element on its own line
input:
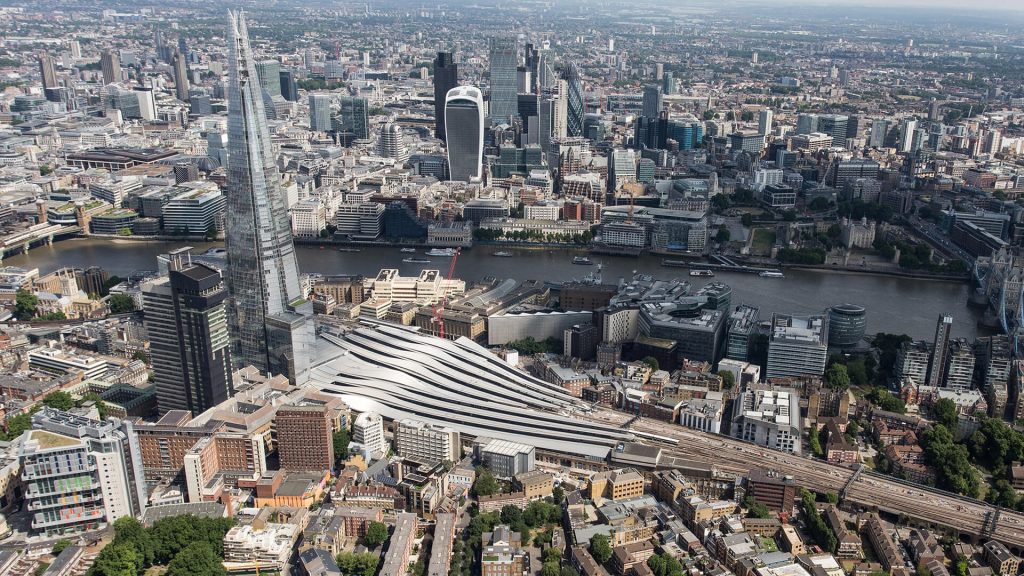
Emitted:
<point x="355" y="116"/>
<point x="269" y="326"/>
<point x="446" y="77"/>
<point x="504" y="64"/>
<point x="575" y="104"/>
<point x="464" y="126"/>
<point x="320" y="112"/>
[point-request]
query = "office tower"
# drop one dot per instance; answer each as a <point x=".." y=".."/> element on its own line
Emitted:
<point x="446" y="77"/>
<point x="180" y="76"/>
<point x="668" y="83"/>
<point x="621" y="169"/>
<point x="355" y="116"/>
<point x="940" y="349"/>
<point x="652" y="102"/>
<point x="289" y="89"/>
<point x="846" y="325"/>
<point x="182" y="47"/>
<point x="80" y="474"/>
<point x="524" y="79"/>
<point x="268" y="326"/>
<point x="146" y="102"/>
<point x="464" y="129"/>
<point x="764" y="121"/>
<point x="320" y="112"/>
<point x="186" y="318"/>
<point x="76" y="49"/>
<point x="908" y="127"/>
<point x="269" y="72"/>
<point x="797" y="346"/>
<point x="879" y="131"/>
<point x="503" y="64"/>
<point x="835" y="126"/>
<point x="305" y="437"/>
<point x="574" y="101"/>
<point x="368" y="435"/>
<point x="111" y="66"/>
<point x="545" y="73"/>
<point x="47" y="71"/>
<point x="392" y="143"/>
<point x="806" y="123"/>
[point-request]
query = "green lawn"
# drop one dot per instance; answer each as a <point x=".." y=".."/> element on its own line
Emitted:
<point x="763" y="241"/>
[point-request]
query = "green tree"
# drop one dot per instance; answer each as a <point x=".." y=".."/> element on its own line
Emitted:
<point x="551" y="569"/>
<point x="25" y="304"/>
<point x="45" y="170"/>
<point x="755" y="509"/>
<point x="376" y="534"/>
<point x="95" y="398"/>
<point x="59" y="546"/>
<point x="836" y="376"/>
<point x="511" y="514"/>
<point x="59" y="400"/>
<point x="557" y="494"/>
<point x="728" y="380"/>
<point x="121" y="304"/>
<point x="340" y="440"/>
<point x="650" y="361"/>
<point x="946" y="413"/>
<point x="747" y="220"/>
<point x="814" y="440"/>
<point x="723" y="234"/>
<point x="353" y="564"/>
<point x="600" y="548"/>
<point x="485" y="484"/>
<point x="117" y="560"/>
<point x="131" y="532"/>
<point x="197" y="559"/>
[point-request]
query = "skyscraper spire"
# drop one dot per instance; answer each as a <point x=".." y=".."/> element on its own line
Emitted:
<point x="268" y="332"/>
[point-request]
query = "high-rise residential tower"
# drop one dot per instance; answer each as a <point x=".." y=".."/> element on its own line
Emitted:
<point x="652" y="102"/>
<point x="464" y="127"/>
<point x="186" y="318"/>
<point x="180" y="76"/>
<point x="270" y="327"/>
<point x="446" y="77"/>
<point x="47" y="71"/>
<point x="937" y="369"/>
<point x="503" y="65"/>
<point x="111" y="66"/>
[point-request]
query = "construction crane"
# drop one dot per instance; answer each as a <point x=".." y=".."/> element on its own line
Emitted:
<point x="443" y="300"/>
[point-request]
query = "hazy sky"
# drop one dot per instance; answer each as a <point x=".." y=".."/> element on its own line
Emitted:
<point x="1007" y="5"/>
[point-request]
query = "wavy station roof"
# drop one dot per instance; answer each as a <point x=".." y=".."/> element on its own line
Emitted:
<point x="400" y="373"/>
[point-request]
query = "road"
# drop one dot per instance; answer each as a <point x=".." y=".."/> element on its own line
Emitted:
<point x="869" y="490"/>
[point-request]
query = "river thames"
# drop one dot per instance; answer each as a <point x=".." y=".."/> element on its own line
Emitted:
<point x="899" y="305"/>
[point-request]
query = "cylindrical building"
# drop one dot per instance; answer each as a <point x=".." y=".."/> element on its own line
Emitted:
<point x="846" y="325"/>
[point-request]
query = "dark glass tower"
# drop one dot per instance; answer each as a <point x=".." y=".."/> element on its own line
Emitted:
<point x="267" y="328"/>
<point x="186" y="318"/>
<point x="446" y="77"/>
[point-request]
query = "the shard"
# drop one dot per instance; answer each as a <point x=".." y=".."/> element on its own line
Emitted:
<point x="271" y="326"/>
